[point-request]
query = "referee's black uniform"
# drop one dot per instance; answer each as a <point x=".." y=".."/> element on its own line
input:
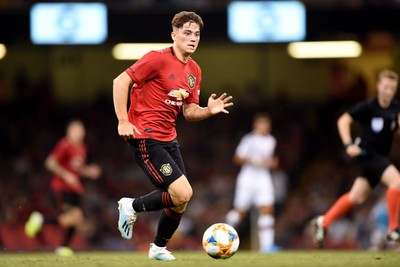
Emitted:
<point x="378" y="126"/>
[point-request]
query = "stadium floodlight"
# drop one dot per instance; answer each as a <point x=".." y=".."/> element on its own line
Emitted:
<point x="68" y="23"/>
<point x="325" y="49"/>
<point x="3" y="51"/>
<point x="134" y="51"/>
<point x="266" y="21"/>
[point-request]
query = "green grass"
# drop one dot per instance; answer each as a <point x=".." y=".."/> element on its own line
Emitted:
<point x="199" y="259"/>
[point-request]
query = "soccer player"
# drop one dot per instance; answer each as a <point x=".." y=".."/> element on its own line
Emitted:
<point x="378" y="119"/>
<point x="162" y="83"/>
<point x="67" y="163"/>
<point x="255" y="155"/>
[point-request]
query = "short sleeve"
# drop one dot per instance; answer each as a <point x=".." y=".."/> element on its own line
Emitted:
<point x="242" y="149"/>
<point x="145" y="68"/>
<point x="359" y="112"/>
<point x="59" y="150"/>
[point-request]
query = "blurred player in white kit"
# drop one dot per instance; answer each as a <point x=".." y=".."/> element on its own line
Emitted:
<point x="255" y="155"/>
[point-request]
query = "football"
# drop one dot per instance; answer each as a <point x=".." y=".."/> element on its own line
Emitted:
<point x="220" y="241"/>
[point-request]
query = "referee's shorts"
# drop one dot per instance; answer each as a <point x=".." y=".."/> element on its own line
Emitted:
<point x="372" y="167"/>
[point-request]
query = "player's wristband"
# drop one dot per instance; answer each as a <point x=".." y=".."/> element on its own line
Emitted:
<point x="348" y="144"/>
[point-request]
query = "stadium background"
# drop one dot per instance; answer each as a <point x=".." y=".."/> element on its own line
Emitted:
<point x="41" y="87"/>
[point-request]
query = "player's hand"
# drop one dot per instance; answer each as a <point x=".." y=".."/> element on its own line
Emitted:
<point x="92" y="171"/>
<point x="73" y="181"/>
<point x="272" y="162"/>
<point x="217" y="105"/>
<point x="353" y="150"/>
<point x="127" y="130"/>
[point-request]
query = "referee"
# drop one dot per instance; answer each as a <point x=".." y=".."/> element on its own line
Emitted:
<point x="378" y="119"/>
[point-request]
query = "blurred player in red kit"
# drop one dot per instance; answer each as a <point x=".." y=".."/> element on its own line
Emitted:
<point x="162" y="83"/>
<point x="67" y="163"/>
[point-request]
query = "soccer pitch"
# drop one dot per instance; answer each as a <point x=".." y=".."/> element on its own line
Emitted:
<point x="200" y="259"/>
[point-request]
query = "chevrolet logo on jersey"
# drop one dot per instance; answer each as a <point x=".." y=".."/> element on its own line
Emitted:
<point x="179" y="94"/>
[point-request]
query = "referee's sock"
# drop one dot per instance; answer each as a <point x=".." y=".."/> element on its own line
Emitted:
<point x="153" y="201"/>
<point x="393" y="206"/>
<point x="340" y="208"/>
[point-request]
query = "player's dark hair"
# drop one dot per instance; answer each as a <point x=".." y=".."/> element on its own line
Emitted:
<point x="185" y="16"/>
<point x="261" y="115"/>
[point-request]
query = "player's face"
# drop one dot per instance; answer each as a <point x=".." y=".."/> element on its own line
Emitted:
<point x="186" y="39"/>
<point x="387" y="89"/>
<point x="76" y="132"/>
<point x="262" y="126"/>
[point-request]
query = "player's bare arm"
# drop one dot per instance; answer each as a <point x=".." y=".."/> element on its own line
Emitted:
<point x="270" y="163"/>
<point x="344" y="128"/>
<point x="91" y="171"/>
<point x="193" y="112"/>
<point x="70" y="178"/>
<point x="238" y="160"/>
<point x="121" y="86"/>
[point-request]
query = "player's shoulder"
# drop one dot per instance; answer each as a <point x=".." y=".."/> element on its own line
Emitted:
<point x="163" y="51"/>
<point x="61" y="145"/>
<point x="257" y="136"/>
<point x="249" y="135"/>
<point x="159" y="53"/>
<point x="158" y="57"/>
<point x="194" y="63"/>
<point x="194" y="67"/>
<point x="63" y="142"/>
<point x="369" y="103"/>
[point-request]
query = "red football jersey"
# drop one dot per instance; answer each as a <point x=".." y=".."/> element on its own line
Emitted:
<point x="162" y="83"/>
<point x="71" y="157"/>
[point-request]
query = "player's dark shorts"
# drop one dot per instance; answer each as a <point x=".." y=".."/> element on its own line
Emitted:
<point x="161" y="161"/>
<point x="66" y="200"/>
<point x="373" y="166"/>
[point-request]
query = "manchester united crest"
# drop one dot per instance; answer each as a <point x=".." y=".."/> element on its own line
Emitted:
<point x="191" y="81"/>
<point x="166" y="169"/>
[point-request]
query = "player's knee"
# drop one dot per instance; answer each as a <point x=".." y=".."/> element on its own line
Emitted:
<point x="266" y="210"/>
<point x="395" y="185"/>
<point x="78" y="216"/>
<point x="180" y="191"/>
<point x="359" y="199"/>
<point x="71" y="218"/>
<point x="183" y="197"/>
